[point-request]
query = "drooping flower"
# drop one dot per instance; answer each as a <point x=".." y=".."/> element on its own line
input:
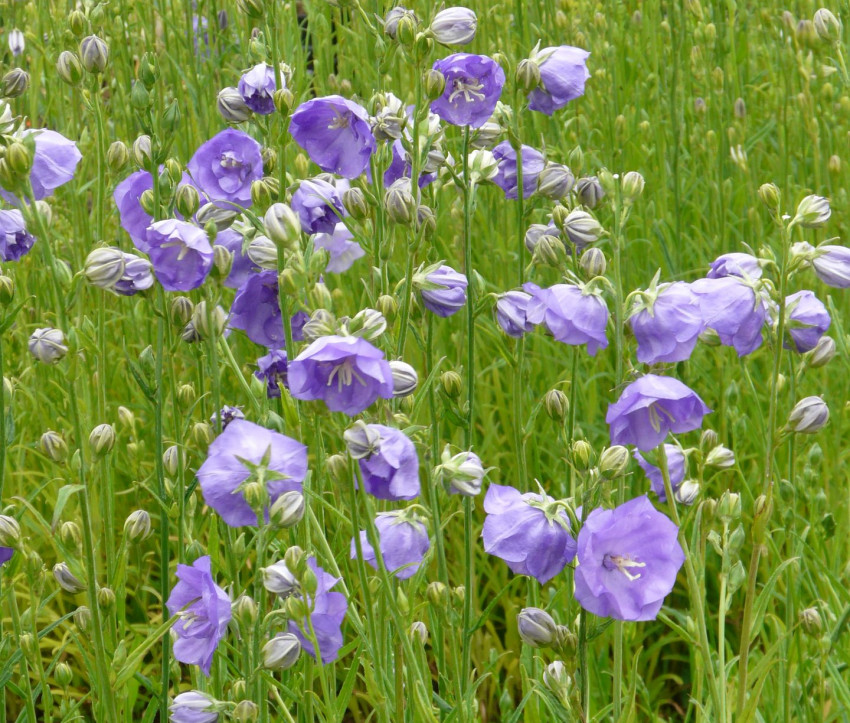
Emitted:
<point x="346" y="372"/>
<point x="511" y="313"/>
<point x="832" y="265"/>
<point x="652" y="406"/>
<point x="257" y="88"/>
<point x="667" y="326"/>
<point x="675" y="466"/>
<point x="15" y="240"/>
<point x="390" y="468"/>
<point x="403" y="540"/>
<point x="507" y="177"/>
<point x="528" y="532"/>
<point x="318" y="206"/>
<point x="256" y="310"/>
<point x="571" y="315"/>
<point x="225" y="167"/>
<point x="335" y="133"/>
<point x="193" y="706"/>
<point x="443" y="290"/>
<point x="134" y="219"/>
<point x="326" y="612"/>
<point x="735" y="264"/>
<point x="272" y="369"/>
<point x="807" y="320"/>
<point x="628" y="559"/>
<point x="731" y="307"/>
<point x="563" y="74"/>
<point x="243" y="453"/>
<point x="204" y="612"/>
<point x="54" y="162"/>
<point x="181" y="254"/>
<point x="473" y="86"/>
<point x="342" y="249"/>
<point x="5" y="555"/>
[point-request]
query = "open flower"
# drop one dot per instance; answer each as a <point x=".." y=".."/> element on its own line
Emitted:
<point x="204" y="612"/>
<point x="256" y="310"/>
<point x="667" y="325"/>
<point x="735" y="264"/>
<point x="181" y="254"/>
<point x="15" y="240"/>
<point x="572" y="316"/>
<point x="403" y="540"/>
<point x="225" y="167"/>
<point x="343" y="250"/>
<point x="6" y="555"/>
<point x="563" y="74"/>
<point x="318" y="206"/>
<point x="272" y="368"/>
<point x="246" y="453"/>
<point x="133" y="218"/>
<point x="528" y="531"/>
<point x="473" y="86"/>
<point x="324" y="620"/>
<point x="832" y="265"/>
<point x="507" y="177"/>
<point x="443" y="290"/>
<point x="388" y="462"/>
<point x="511" y="313"/>
<point x="731" y="307"/>
<point x="257" y="88"/>
<point x="628" y="559"/>
<point x="54" y="162"/>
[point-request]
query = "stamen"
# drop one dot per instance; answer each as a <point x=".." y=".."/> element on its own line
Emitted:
<point x="466" y="89"/>
<point x="622" y="563"/>
<point x="228" y="160"/>
<point x="344" y="374"/>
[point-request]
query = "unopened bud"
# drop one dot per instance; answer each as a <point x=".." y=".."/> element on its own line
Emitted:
<point x="720" y="457"/>
<point x="808" y="416"/>
<point x="94" y="54"/>
<point x="613" y="462"/>
<point x="66" y="579"/>
<point x="246" y="711"/>
<point x="592" y="263"/>
<point x="101" y="440"/>
<point x="354" y="201"/>
<point x="137" y="526"/>
<point x="281" y="652"/>
<point x="555" y="181"/>
<point x="589" y="191"/>
<point x="632" y="185"/>
<point x="15" y="83"/>
<point x="827" y="26"/>
<point x="282" y="225"/>
<point x="527" y="75"/>
<point x="400" y="203"/>
<point x="823" y="353"/>
<point x="54" y="446"/>
<point x="536" y="627"/>
<point x="69" y="68"/>
<point x="10" y="531"/>
<point x="451" y="383"/>
<point x="811" y="622"/>
<point x="557" y="404"/>
<point x="288" y="509"/>
<point x="812" y="212"/>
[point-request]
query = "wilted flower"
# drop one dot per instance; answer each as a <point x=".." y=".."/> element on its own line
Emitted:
<point x="454" y="26"/>
<point x="652" y="406"/>
<point x="346" y="372"/>
<point x="246" y="453"/>
<point x="256" y="310"/>
<point x="326" y="612"/>
<point x="536" y="627"/>
<point x="390" y="469"/>
<point x="473" y="86"/>
<point x="571" y="315"/>
<point x="563" y="74"/>
<point x="443" y="290"/>
<point x="318" y="206"/>
<point x="807" y="320"/>
<point x="47" y="345"/>
<point x="528" y="532"/>
<point x="507" y="177"/>
<point x="335" y="133"/>
<point x="403" y="540"/>
<point x="225" y="167"/>
<point x="273" y="370"/>
<point x="511" y="313"/>
<point x="731" y="307"/>
<point x="15" y="240"/>
<point x="180" y="252"/>
<point x="676" y="462"/>
<point x="257" y="88"/>
<point x="343" y="250"/>
<point x="735" y="264"/>
<point x="628" y="559"/>
<point x="832" y="265"/>
<point x="203" y="611"/>
<point x="666" y="325"/>
<point x="193" y="706"/>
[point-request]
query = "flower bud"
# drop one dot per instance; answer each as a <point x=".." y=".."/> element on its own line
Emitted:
<point x="10" y="531"/>
<point x="54" y="446"/>
<point x="367" y="324"/>
<point x="405" y="379"/>
<point x="142" y="152"/>
<point x="202" y="435"/>
<point x="137" y="526"/>
<point x="104" y="267"/>
<point x="7" y="290"/>
<point x="354" y="201"/>
<point x="106" y="598"/>
<point x="117" y="156"/>
<point x="549" y="251"/>
<point x="770" y="196"/>
<point x="827" y="26"/>
<point x="63" y="674"/>
<point x="68" y="67"/>
<point x="362" y="440"/>
<point x="720" y="457"/>
<point x="687" y="492"/>
<point x="15" y="83"/>
<point x="729" y="506"/>
<point x="66" y="579"/>
<point x="281" y="652"/>
<point x="246" y="711"/>
<point x="47" y="345"/>
<point x="70" y="534"/>
<point x="94" y="54"/>
<point x="282" y="225"/>
<point x="19" y="158"/>
<point x="263" y="252"/>
<point x="589" y="191"/>
<point x="287" y="510"/>
<point x="101" y="440"/>
<point x="82" y="618"/>
<point x="187" y="200"/>
<point x="400" y="203"/>
<point x="592" y="263"/>
<point x="278" y="579"/>
<point x="454" y="26"/>
<point x="581" y="228"/>
<point x="632" y="186"/>
<point x="231" y="106"/>
<point x="812" y="212"/>
<point x="581" y="453"/>
<point x="17" y="43"/>
<point x="536" y="627"/>
<point x="394" y="17"/>
<point x="451" y="383"/>
<point x="808" y="416"/>
<point x="557" y="405"/>
<point x="823" y="353"/>
<point x="527" y="75"/>
<point x="437" y="594"/>
<point x="463" y="472"/>
<point x="405" y="28"/>
<point x="556" y="678"/>
<point x="811" y="622"/>
<point x="555" y="181"/>
<point x="613" y="462"/>
<point x="209" y="324"/>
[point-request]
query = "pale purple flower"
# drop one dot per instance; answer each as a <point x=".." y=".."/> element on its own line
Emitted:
<point x="242" y="266"/>
<point x="15" y="240"/>
<point x="519" y="531"/>
<point x="192" y="707"/>
<point x="403" y="542"/>
<point x="667" y="328"/>
<point x="675" y="466"/>
<point x="391" y="471"/>
<point x="54" y="161"/>
<point x="273" y="370"/>
<point x="204" y="612"/>
<point x="473" y="86"/>
<point x="731" y="307"/>
<point x="650" y="407"/>
<point x="346" y="372"/>
<point x="335" y="133"/>
<point x="227" y="414"/>
<point x="571" y="316"/>
<point x="735" y="264"/>
<point x="256" y="310"/>
<point x="832" y="265"/>
<point x="563" y="74"/>
<point x="628" y="559"/>
<point x="449" y="296"/>
<point x="181" y="254"/>
<point x="807" y="320"/>
<point x="400" y="167"/>
<point x="506" y="176"/>
<point x="318" y="206"/>
<point x="257" y="88"/>
<point x="343" y="250"/>
<point x="511" y="313"/>
<point x="225" y="166"/>
<point x="5" y="555"/>
<point x="137" y="276"/>
<point x="246" y="452"/>
<point x="326" y="612"/>
<point x="134" y="219"/>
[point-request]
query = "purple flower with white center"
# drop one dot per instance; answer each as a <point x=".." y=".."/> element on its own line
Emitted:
<point x="15" y="240"/>
<point x="832" y="265"/>
<point x="391" y="471"/>
<point x="473" y="86"/>
<point x="443" y="291"/>
<point x="403" y="540"/>
<point x="134" y="219"/>
<point x="137" y="276"/>
<point x="257" y="88"/>
<point x="734" y="310"/>
<point x="628" y="559"/>
<point x="54" y="163"/>
<point x="652" y="406"/>
<point x="335" y="133"/>
<point x="192" y="707"/>
<point x="204" y="612"/>
<point x="346" y="372"/>
<point x="181" y="254"/>
<point x="227" y="414"/>
<point x="667" y="326"/>
<point x="225" y="166"/>
<point x="326" y="612"/>
<point x="570" y="315"/>
<point x="242" y="266"/>
<point x="246" y="452"/>
<point x="256" y="310"/>
<point x="807" y="320"/>
<point x="527" y="531"/>
<point x="272" y="370"/>
<point x="511" y="313"/>
<point x="735" y="264"/>
<point x="318" y="205"/>
<point x="506" y="176"/>
<point x="563" y="74"/>
<point x="5" y="555"/>
<point x="675" y="466"/>
<point x="342" y="249"/>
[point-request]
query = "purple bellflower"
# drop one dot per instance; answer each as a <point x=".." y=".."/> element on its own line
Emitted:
<point x="572" y="316"/>
<point x="343" y="250"/>
<point x="735" y="264"/>
<point x="257" y="88"/>
<point x="676" y="463"/>
<point x="54" y="161"/>
<point x="225" y="166"/>
<point x="192" y="707"/>
<point x="807" y="321"/>
<point x="242" y="266"/>
<point x="652" y="406"/>
<point x="563" y="74"/>
<point x="403" y="540"/>
<point x="528" y="532"/>
<point x="181" y="254"/>
<point x="667" y="325"/>
<point x="506" y="176"/>
<point x="443" y="291"/>
<point x="15" y="240"/>
<point x="5" y="555"/>
<point x="134" y="219"/>
<point x="511" y="313"/>
<point x="256" y="310"/>
<point x="832" y="265"/>
<point x="391" y="470"/>
<point x="326" y="612"/>
<point x="473" y="86"/>
<point x="273" y="370"/>
<point x="400" y="167"/>
<point x="204" y="612"/>
<point x="628" y="559"/>
<point x="731" y="307"/>
<point x="318" y="206"/>
<point x="246" y="452"/>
